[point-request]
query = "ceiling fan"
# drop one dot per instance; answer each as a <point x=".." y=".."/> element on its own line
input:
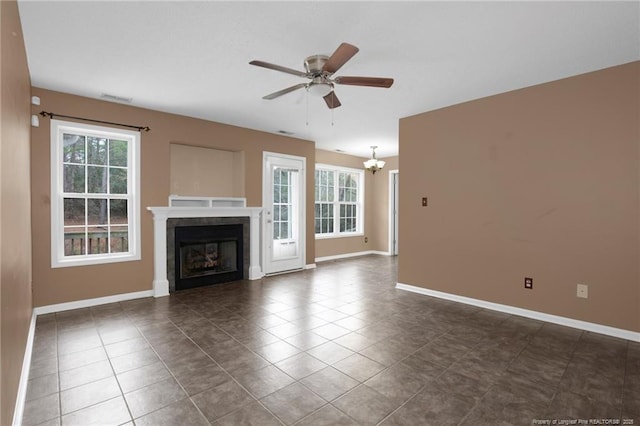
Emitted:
<point x="320" y="70"/>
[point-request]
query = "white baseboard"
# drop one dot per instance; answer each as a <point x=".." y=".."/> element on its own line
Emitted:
<point x="354" y="254"/>
<point x="60" y="307"/>
<point x="24" y="374"/>
<point x="310" y="266"/>
<point x="555" y="319"/>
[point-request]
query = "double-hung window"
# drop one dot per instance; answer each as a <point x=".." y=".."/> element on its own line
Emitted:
<point x="95" y="187"/>
<point x="339" y="196"/>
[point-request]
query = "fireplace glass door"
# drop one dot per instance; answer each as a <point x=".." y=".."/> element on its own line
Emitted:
<point x="199" y="259"/>
<point x="208" y="254"/>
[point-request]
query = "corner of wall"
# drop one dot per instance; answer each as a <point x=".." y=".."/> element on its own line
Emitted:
<point x="15" y="223"/>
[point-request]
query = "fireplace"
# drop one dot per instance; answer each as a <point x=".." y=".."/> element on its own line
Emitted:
<point x="196" y="212"/>
<point x="207" y="254"/>
<point x="207" y="250"/>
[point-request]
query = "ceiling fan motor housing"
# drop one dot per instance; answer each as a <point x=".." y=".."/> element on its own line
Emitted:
<point x="314" y="64"/>
<point x="320" y="85"/>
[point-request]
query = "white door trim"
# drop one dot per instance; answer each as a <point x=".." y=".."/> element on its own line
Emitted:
<point x="392" y="223"/>
<point x="301" y="214"/>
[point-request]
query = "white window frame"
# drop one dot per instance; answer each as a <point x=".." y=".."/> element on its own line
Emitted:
<point x="58" y="258"/>
<point x="336" y="203"/>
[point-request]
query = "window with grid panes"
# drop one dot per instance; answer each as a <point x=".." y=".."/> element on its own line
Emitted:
<point x="338" y="201"/>
<point x="94" y="194"/>
<point x="282" y="206"/>
<point x="325" y="195"/>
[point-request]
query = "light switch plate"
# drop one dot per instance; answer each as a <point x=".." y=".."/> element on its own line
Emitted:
<point x="583" y="291"/>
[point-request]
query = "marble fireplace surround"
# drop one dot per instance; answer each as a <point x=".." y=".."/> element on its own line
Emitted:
<point x="161" y="215"/>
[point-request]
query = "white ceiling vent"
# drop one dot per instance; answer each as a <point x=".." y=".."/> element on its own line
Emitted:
<point x="284" y="132"/>
<point x="114" y="98"/>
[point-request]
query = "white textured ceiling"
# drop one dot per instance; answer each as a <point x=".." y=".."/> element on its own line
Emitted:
<point x="191" y="58"/>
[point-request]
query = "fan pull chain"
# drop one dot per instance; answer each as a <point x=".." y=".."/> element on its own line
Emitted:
<point x="307" y="106"/>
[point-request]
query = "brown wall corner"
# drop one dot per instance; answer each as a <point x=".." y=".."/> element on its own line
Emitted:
<point x="15" y="228"/>
<point x="540" y="182"/>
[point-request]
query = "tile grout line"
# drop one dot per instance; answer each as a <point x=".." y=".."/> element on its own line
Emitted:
<point x="115" y="376"/>
<point x="58" y="364"/>
<point x="462" y="420"/>
<point x="222" y="368"/>
<point x="151" y="384"/>
<point x="421" y="388"/>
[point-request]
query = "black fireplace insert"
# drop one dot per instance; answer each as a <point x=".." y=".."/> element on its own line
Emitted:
<point x="208" y="254"/>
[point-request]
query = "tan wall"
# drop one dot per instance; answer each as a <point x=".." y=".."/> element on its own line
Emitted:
<point x="206" y="172"/>
<point x="15" y="207"/>
<point x="68" y="284"/>
<point x="376" y="203"/>
<point x="541" y="182"/>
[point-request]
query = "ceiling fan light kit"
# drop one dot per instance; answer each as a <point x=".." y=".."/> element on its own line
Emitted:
<point x="319" y="89"/>
<point x="320" y="69"/>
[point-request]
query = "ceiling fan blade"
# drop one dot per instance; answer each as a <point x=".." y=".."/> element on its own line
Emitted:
<point x="332" y="100"/>
<point x="343" y="53"/>
<point x="284" y="91"/>
<point x="278" y="68"/>
<point x="365" y="81"/>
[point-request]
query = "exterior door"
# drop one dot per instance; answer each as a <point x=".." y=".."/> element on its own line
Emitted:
<point x="283" y="202"/>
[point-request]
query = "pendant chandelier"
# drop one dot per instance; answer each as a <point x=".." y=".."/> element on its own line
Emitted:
<point x="373" y="165"/>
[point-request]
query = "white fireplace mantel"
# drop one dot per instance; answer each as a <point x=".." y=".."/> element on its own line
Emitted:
<point x="160" y="216"/>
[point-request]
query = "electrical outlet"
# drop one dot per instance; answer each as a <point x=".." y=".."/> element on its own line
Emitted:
<point x="528" y="283"/>
<point x="583" y="291"/>
<point x="424" y="202"/>
<point x="366" y="240"/>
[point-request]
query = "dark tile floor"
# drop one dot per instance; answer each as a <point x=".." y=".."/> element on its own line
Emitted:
<point x="338" y="345"/>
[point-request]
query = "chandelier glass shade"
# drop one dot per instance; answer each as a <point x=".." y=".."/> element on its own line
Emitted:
<point x="373" y="165"/>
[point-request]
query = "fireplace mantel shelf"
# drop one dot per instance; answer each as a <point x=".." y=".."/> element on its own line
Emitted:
<point x="205" y="211"/>
<point x="160" y="216"/>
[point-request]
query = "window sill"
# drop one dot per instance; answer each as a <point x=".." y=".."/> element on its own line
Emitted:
<point x="90" y="260"/>
<point x="344" y="235"/>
